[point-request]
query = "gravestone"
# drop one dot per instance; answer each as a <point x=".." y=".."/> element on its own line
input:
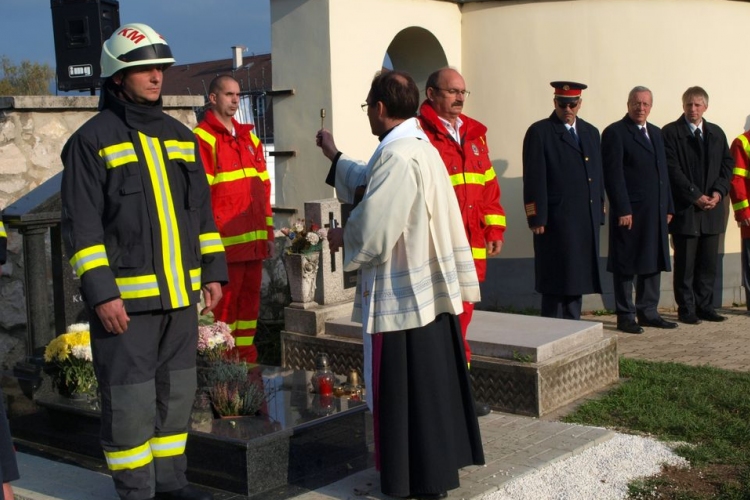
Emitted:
<point x="334" y="285"/>
<point x="36" y="216"/>
<point x="333" y="297"/>
<point x="299" y="440"/>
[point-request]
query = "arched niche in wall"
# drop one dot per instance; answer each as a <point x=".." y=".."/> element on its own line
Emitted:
<point x="416" y="51"/>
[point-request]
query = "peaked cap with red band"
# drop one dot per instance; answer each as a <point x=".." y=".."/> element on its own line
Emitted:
<point x="568" y="90"/>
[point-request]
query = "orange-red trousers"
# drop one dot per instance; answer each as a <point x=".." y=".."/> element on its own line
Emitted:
<point x="465" y="318"/>
<point x="239" y="306"/>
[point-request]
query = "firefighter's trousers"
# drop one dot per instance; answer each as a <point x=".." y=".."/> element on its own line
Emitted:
<point x="147" y="383"/>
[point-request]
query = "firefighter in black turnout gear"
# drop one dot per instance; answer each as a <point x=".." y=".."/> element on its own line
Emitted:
<point x="139" y="232"/>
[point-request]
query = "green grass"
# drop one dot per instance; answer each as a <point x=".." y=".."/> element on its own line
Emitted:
<point x="603" y="312"/>
<point x="706" y="407"/>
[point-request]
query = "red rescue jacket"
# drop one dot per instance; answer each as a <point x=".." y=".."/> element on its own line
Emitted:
<point x="473" y="179"/>
<point x="741" y="181"/>
<point x="240" y="187"/>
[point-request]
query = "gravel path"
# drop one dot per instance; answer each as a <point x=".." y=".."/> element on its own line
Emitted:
<point x="601" y="472"/>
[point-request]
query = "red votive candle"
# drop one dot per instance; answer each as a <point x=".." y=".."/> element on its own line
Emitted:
<point x="325" y="385"/>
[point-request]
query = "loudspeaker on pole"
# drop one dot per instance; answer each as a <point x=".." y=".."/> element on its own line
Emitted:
<point x="80" y="28"/>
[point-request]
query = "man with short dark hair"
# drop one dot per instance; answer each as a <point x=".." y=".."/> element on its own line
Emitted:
<point x="138" y="228"/>
<point x="407" y="242"/>
<point x="563" y="194"/>
<point x="640" y="208"/>
<point x="700" y="173"/>
<point x="241" y="200"/>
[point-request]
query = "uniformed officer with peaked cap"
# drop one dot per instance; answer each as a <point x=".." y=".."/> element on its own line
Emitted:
<point x="564" y="202"/>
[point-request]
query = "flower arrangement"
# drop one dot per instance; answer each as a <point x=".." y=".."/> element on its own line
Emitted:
<point x="214" y="340"/>
<point x="71" y="353"/>
<point x="233" y="392"/>
<point x="302" y="239"/>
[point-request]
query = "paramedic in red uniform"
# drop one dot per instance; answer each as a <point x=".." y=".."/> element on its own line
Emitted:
<point x="241" y="199"/>
<point x="462" y="145"/>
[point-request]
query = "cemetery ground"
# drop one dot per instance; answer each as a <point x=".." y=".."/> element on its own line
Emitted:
<point x="703" y="409"/>
<point x="689" y="387"/>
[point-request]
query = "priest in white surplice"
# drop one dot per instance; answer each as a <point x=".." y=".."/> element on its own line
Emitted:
<point x="407" y="242"/>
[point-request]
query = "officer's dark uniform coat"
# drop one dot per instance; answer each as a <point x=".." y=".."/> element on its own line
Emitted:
<point x="563" y="190"/>
<point x="637" y="183"/>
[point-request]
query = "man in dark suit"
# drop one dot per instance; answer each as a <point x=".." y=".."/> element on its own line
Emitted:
<point x="563" y="195"/>
<point x="640" y="208"/>
<point x="700" y="173"/>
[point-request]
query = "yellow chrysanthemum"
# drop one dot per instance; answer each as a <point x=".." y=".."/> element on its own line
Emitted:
<point x="62" y="346"/>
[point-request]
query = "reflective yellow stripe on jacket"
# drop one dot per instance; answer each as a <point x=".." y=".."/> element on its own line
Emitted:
<point x="118" y="155"/>
<point x="746" y="146"/>
<point x="242" y="173"/>
<point x="168" y="228"/>
<point x="742" y="172"/>
<point x="469" y="178"/>
<point x="129" y="459"/>
<point x="89" y="258"/>
<point x="179" y="150"/>
<point x="211" y="140"/>
<point x="3" y="234"/>
<point x="210" y="243"/>
<point x="195" y="279"/>
<point x="138" y="287"/>
<point x="459" y="179"/>
<point x="489" y="174"/>
<point x="479" y="253"/>
<point x="494" y="220"/>
<point x="260" y="234"/>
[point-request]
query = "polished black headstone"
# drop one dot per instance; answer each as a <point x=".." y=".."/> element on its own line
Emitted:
<point x="300" y="441"/>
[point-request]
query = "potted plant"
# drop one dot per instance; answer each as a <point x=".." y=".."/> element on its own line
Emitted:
<point x="214" y="339"/>
<point x="304" y="240"/>
<point x="301" y="259"/>
<point x="233" y="391"/>
<point x="70" y="353"/>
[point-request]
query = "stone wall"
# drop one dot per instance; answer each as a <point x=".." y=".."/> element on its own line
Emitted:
<point x="33" y="131"/>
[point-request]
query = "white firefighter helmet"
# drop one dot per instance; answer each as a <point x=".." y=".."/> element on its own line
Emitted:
<point x="133" y="45"/>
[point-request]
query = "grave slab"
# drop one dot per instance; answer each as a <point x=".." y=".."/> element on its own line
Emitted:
<point x="520" y="364"/>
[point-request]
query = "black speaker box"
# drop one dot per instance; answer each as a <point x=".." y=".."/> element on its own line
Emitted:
<point x="80" y="28"/>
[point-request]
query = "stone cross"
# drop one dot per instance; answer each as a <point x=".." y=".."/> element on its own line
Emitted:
<point x="331" y="285"/>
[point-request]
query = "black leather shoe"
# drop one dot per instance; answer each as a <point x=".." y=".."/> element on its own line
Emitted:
<point x="482" y="409"/>
<point x="187" y="492"/>
<point x="689" y="318"/>
<point x="629" y="326"/>
<point x="658" y="323"/>
<point x="711" y="316"/>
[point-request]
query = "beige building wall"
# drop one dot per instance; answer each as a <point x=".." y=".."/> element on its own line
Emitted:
<point x="328" y="51"/>
<point x="508" y="52"/>
<point x="512" y="50"/>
